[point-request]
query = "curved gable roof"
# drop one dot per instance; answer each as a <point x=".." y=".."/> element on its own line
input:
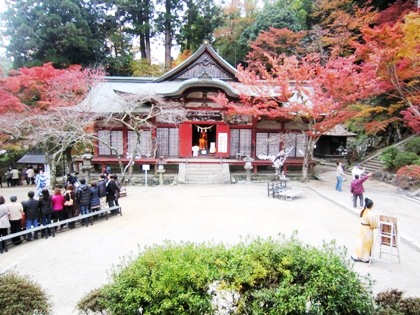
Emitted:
<point x="204" y="63"/>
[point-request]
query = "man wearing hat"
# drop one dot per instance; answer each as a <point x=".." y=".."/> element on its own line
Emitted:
<point x="357" y="170"/>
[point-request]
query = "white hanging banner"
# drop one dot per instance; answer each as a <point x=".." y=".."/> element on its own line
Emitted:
<point x="222" y="142"/>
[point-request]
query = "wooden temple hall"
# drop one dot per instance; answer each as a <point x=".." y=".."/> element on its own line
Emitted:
<point x="207" y="134"/>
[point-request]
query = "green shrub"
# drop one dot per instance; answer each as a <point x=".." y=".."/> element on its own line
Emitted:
<point x="19" y="295"/>
<point x="391" y="302"/>
<point x="94" y="302"/>
<point x="413" y="145"/>
<point x="274" y="276"/>
<point x="404" y="158"/>
<point x="388" y="156"/>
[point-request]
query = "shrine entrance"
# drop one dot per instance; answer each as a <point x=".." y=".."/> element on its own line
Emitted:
<point x="204" y="140"/>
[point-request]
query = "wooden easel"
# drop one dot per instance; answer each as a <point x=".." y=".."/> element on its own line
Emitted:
<point x="387" y="239"/>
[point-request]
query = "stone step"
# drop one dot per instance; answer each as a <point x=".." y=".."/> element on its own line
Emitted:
<point x="204" y="173"/>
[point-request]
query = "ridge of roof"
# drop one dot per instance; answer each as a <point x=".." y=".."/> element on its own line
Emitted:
<point x="205" y="47"/>
<point x="120" y="79"/>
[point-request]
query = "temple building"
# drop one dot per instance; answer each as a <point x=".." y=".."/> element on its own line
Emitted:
<point x="206" y="133"/>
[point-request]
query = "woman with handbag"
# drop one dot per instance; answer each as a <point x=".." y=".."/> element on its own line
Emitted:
<point x="69" y="204"/>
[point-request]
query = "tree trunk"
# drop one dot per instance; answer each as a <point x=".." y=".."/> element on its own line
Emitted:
<point x="309" y="145"/>
<point x="69" y="160"/>
<point x="168" y="35"/>
<point x="51" y="160"/>
<point x="143" y="53"/>
<point x="148" y="49"/>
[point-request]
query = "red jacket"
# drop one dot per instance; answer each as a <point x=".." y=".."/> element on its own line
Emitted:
<point x="356" y="187"/>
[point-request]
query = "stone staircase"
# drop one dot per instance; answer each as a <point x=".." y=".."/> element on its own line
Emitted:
<point x="204" y="173"/>
<point x="374" y="164"/>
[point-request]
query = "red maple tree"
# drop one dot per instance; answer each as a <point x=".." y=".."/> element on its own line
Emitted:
<point x="393" y="47"/>
<point x="35" y="108"/>
<point x="314" y="95"/>
<point x="40" y="88"/>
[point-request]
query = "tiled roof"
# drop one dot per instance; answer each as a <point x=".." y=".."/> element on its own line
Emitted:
<point x="32" y="158"/>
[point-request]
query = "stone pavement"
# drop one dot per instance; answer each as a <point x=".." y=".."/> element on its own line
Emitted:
<point x="77" y="261"/>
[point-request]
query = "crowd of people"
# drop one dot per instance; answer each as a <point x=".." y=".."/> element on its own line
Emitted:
<point x="16" y="177"/>
<point x="44" y="207"/>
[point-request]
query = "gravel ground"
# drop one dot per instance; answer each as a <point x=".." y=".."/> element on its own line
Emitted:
<point x="76" y="261"/>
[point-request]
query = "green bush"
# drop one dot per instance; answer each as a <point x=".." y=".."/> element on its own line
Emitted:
<point x="388" y="156"/>
<point x="404" y="158"/>
<point x="94" y="302"/>
<point x="413" y="145"/>
<point x="273" y="276"/>
<point x="391" y="302"/>
<point x="19" y="295"/>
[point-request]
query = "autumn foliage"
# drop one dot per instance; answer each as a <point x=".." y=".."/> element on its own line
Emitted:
<point x="39" y="88"/>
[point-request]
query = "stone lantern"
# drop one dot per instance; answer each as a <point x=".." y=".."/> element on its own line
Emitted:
<point x="87" y="164"/>
<point x="161" y="169"/>
<point x="248" y="167"/>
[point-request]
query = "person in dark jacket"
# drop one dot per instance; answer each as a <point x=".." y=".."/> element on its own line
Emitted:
<point x="31" y="209"/>
<point x="112" y="191"/>
<point x="95" y="203"/>
<point x="102" y="190"/>
<point x="83" y="198"/>
<point x="45" y="207"/>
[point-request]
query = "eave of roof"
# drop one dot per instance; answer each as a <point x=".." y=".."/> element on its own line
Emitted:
<point x="32" y="158"/>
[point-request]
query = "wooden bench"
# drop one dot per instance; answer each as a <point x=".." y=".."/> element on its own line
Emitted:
<point x="85" y="219"/>
<point x="290" y="194"/>
<point x="274" y="188"/>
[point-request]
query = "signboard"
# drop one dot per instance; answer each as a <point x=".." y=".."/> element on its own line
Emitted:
<point x="222" y="142"/>
<point x="145" y="167"/>
<point x="388" y="230"/>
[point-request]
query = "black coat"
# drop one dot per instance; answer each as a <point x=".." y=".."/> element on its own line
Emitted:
<point x="102" y="188"/>
<point x="112" y="190"/>
<point x="83" y="195"/>
<point x="45" y="206"/>
<point x="31" y="208"/>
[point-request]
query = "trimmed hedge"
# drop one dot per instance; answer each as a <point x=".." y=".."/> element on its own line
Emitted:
<point x="256" y="276"/>
<point x="22" y="296"/>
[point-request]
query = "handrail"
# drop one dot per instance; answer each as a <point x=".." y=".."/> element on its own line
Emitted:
<point x="56" y="224"/>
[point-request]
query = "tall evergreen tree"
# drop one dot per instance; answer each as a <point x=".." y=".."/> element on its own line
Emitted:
<point x="200" y="21"/>
<point x="168" y="23"/>
<point x="137" y="19"/>
<point x="58" y="31"/>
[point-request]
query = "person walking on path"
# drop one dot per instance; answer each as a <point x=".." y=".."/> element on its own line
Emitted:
<point x="30" y="175"/>
<point x="41" y="182"/>
<point x="31" y="209"/>
<point x="368" y="222"/>
<point x="4" y="219"/>
<point x="15" y="177"/>
<point x="357" y="189"/>
<point x="8" y="175"/>
<point x="340" y="176"/>
<point x="15" y="218"/>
